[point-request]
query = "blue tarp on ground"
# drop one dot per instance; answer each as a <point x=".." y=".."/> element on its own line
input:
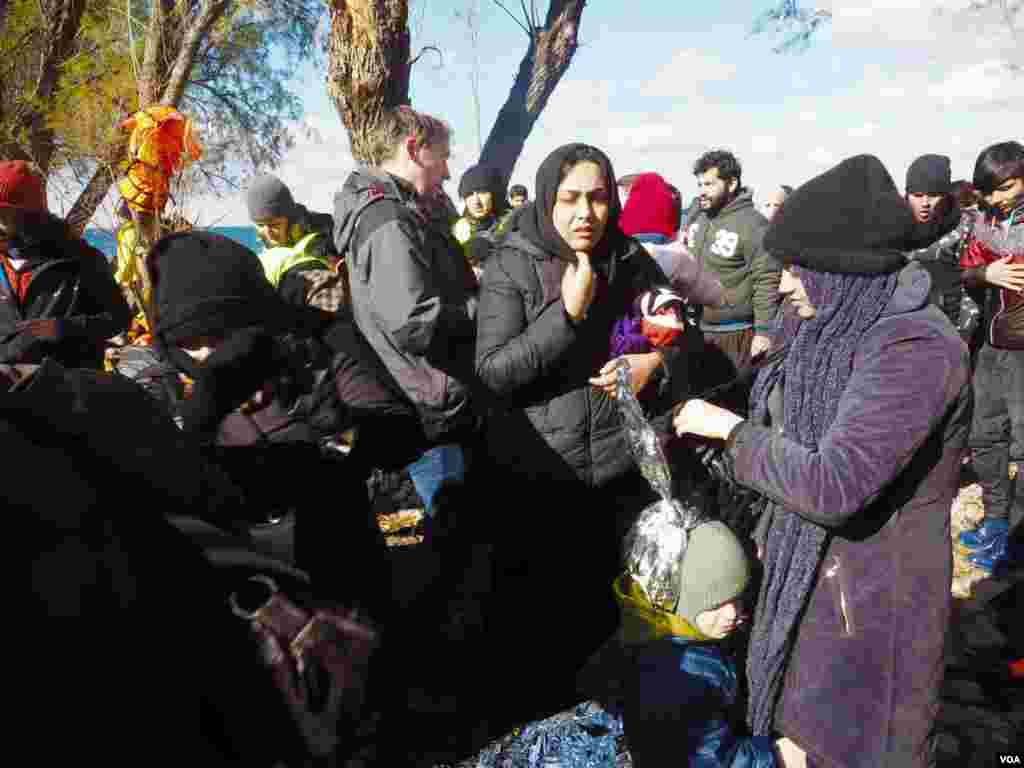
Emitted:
<point x="584" y="737"/>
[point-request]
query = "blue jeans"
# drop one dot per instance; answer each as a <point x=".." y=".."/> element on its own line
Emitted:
<point x="429" y="471"/>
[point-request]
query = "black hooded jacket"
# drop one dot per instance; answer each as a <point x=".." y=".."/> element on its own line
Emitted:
<point x="936" y="245"/>
<point x="70" y="281"/>
<point x="553" y="423"/>
<point x="208" y="287"/>
<point x="109" y="572"/>
<point x="413" y="296"/>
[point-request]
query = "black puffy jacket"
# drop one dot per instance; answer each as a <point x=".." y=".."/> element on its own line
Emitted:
<point x="552" y="422"/>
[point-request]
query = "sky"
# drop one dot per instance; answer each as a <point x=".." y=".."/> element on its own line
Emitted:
<point x="655" y="83"/>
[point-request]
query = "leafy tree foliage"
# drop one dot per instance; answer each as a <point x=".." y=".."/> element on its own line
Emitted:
<point x="791" y="23"/>
<point x="72" y="70"/>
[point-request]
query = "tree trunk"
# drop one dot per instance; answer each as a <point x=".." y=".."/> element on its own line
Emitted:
<point x="185" y="57"/>
<point x="369" y="65"/>
<point x="65" y="20"/>
<point x="547" y="59"/>
<point x="96" y="189"/>
<point x="156" y="54"/>
<point x="170" y="56"/>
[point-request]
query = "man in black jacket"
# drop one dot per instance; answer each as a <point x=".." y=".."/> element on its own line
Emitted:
<point x="940" y="230"/>
<point x="58" y="297"/>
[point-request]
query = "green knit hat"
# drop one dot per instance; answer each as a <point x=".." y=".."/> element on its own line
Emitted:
<point x="715" y="570"/>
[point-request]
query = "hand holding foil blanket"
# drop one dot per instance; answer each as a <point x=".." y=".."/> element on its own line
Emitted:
<point x="654" y="546"/>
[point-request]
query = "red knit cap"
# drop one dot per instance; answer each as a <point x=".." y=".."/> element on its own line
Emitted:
<point x="650" y="208"/>
<point x="21" y="187"/>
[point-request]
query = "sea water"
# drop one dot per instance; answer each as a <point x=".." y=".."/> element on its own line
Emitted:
<point x="105" y="241"/>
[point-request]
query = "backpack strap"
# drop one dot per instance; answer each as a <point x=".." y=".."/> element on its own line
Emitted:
<point x="362" y="269"/>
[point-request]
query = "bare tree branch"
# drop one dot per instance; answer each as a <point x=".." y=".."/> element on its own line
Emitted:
<point x="426" y="48"/>
<point x="197" y="30"/>
<point x="545" y="62"/>
<point x="514" y="18"/>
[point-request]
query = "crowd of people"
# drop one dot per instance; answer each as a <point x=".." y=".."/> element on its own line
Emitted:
<point x="844" y="350"/>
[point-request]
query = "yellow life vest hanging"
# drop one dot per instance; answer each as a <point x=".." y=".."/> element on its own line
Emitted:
<point x="162" y="141"/>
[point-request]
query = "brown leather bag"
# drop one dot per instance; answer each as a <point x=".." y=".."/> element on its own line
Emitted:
<point x="318" y="657"/>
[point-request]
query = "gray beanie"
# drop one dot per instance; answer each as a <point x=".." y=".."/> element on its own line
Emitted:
<point x="715" y="570"/>
<point x="269" y="198"/>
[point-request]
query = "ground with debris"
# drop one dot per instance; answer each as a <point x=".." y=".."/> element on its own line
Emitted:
<point x="982" y="708"/>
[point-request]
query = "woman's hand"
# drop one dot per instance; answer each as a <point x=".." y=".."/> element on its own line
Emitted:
<point x="701" y="418"/>
<point x="641" y="369"/>
<point x="760" y="344"/>
<point x="790" y="754"/>
<point x="1005" y="274"/>
<point x="578" y="287"/>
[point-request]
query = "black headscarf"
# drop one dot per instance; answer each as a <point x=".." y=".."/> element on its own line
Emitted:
<point x="535" y="221"/>
<point x="849" y="299"/>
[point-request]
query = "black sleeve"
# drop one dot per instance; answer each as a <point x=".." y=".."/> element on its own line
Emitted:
<point x="512" y="352"/>
<point x="104" y="310"/>
<point x="293" y="286"/>
<point x="390" y="430"/>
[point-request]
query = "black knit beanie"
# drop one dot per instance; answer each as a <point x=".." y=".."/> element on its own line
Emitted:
<point x="207" y="285"/>
<point x="850" y="219"/>
<point x="480" y="178"/>
<point x="929" y="175"/>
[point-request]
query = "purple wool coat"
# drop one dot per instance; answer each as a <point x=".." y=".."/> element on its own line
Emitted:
<point x="862" y="686"/>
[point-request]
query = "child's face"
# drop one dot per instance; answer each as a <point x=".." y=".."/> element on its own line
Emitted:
<point x="718" y="623"/>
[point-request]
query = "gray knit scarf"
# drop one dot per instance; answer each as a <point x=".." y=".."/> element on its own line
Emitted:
<point x="813" y="376"/>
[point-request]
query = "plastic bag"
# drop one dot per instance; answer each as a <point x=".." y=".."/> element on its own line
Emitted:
<point x="970" y="316"/>
<point x="654" y="546"/>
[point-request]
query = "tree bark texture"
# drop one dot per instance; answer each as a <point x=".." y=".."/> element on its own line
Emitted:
<point x="66" y="16"/>
<point x="546" y="61"/>
<point x="159" y="47"/>
<point x="369" y="66"/>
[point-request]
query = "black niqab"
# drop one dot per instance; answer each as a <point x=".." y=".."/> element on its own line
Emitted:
<point x="209" y="285"/>
<point x="535" y="221"/>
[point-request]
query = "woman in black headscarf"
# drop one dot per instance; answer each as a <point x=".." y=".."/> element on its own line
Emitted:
<point x="855" y="439"/>
<point x="550" y="295"/>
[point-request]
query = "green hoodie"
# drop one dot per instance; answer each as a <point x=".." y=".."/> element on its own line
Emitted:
<point x="729" y="244"/>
